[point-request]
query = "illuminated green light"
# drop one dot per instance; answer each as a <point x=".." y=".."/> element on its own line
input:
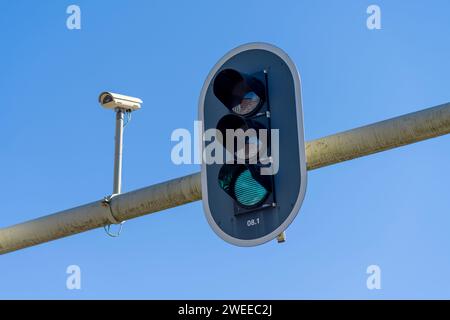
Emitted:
<point x="247" y="190"/>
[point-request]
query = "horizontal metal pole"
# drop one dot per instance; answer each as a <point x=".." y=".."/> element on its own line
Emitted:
<point x="322" y="152"/>
<point x="380" y="136"/>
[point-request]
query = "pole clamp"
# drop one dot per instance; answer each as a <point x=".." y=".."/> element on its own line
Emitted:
<point x="107" y="201"/>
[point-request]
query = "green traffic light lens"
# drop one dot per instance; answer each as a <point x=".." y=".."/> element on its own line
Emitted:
<point x="250" y="101"/>
<point x="248" y="191"/>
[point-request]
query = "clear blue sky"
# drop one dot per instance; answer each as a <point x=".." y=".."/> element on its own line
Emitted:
<point x="390" y="209"/>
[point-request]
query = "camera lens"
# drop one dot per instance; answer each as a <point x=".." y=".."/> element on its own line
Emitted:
<point x="107" y="98"/>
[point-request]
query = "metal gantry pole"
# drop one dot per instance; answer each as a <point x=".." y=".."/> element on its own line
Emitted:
<point x="377" y="137"/>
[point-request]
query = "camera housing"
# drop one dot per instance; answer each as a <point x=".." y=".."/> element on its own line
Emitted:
<point x="110" y="100"/>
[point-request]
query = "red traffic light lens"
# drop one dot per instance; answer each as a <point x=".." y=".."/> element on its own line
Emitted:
<point x="241" y="93"/>
<point x="250" y="101"/>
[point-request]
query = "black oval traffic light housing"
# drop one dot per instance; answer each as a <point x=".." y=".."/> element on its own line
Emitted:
<point x="243" y="204"/>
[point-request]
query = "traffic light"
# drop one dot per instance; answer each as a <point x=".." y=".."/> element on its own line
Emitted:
<point x="253" y="169"/>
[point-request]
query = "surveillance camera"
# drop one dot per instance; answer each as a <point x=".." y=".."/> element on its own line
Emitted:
<point x="114" y="101"/>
